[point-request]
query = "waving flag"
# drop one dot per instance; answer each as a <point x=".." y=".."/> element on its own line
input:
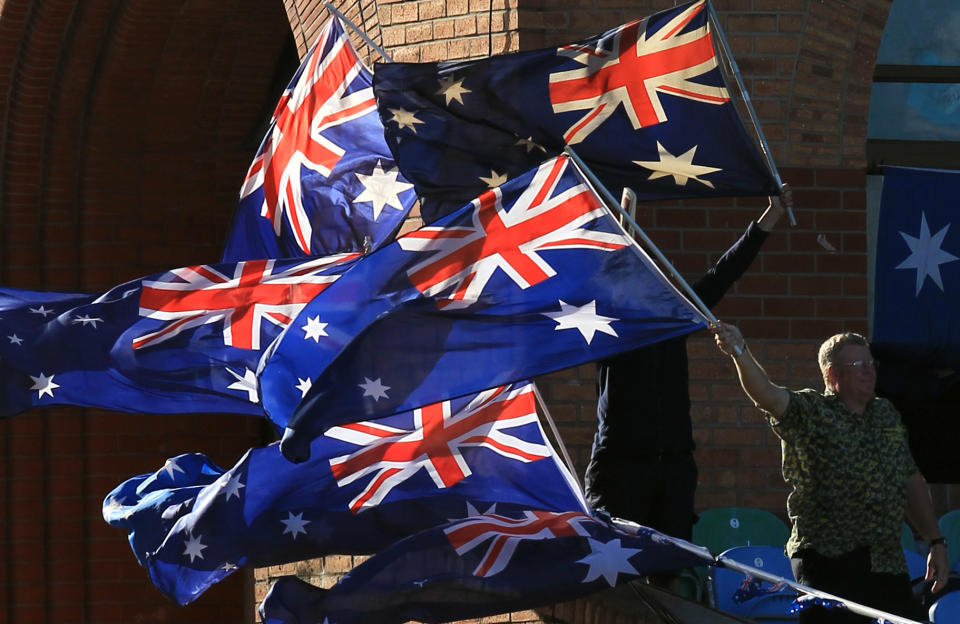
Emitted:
<point x="184" y="341"/>
<point x="323" y="180"/>
<point x="529" y="278"/>
<point x="645" y="105"/>
<point x="483" y="565"/>
<point x="367" y="485"/>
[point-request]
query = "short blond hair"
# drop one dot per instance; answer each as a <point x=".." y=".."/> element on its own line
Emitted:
<point x="827" y="356"/>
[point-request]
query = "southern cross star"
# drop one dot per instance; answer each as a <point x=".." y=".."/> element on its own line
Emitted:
<point x="374" y="388"/>
<point x="314" y="329"/>
<point x="405" y="119"/>
<point x="44" y="384"/>
<point x="452" y="90"/>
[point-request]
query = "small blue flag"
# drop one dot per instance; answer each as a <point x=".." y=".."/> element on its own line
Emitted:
<point x="323" y="180"/>
<point x="646" y="105"/>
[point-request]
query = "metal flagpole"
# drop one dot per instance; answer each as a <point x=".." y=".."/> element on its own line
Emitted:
<point x="852" y="606"/>
<point x="727" y="56"/>
<point x="556" y="436"/>
<point x="359" y="32"/>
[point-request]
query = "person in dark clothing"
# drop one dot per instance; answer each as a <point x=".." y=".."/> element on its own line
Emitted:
<point x="641" y="466"/>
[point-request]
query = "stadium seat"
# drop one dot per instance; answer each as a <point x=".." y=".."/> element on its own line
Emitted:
<point x="950" y="528"/>
<point x="946" y="610"/>
<point x="721" y="528"/>
<point x="906" y="538"/>
<point x="916" y="565"/>
<point x="765" y="602"/>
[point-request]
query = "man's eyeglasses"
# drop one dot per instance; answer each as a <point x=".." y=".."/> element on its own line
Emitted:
<point x="858" y="364"/>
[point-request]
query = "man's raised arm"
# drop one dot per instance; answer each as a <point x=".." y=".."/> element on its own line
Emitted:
<point x="765" y="394"/>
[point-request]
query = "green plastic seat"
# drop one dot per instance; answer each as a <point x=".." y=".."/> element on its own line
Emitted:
<point x="721" y="528"/>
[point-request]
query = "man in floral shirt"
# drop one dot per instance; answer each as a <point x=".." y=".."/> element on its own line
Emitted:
<point x="845" y="455"/>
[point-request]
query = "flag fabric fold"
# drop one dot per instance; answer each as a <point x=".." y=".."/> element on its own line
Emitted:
<point x="529" y="278"/>
<point x="367" y="485"/>
<point x="323" y="180"/>
<point x="646" y="105"/>
<point x="185" y="341"/>
<point x="483" y="565"/>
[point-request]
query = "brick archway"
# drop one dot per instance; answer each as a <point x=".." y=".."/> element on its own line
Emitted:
<point x="126" y="127"/>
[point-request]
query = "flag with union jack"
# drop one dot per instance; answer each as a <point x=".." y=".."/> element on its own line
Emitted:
<point x="483" y="565"/>
<point x="530" y="277"/>
<point x="367" y="485"/>
<point x="646" y="105"/>
<point x="323" y="180"/>
<point x="185" y="341"/>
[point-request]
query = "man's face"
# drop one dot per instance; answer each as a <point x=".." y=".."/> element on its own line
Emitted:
<point x="854" y="373"/>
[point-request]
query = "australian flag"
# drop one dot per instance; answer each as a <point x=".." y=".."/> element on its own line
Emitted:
<point x="529" y="278"/>
<point x="916" y="315"/>
<point x="367" y="485"/>
<point x="482" y="565"/>
<point x="646" y="105"/>
<point x="185" y="341"/>
<point x="323" y="180"/>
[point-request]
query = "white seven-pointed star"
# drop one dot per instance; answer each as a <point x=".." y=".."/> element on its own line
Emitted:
<point x="583" y="318"/>
<point x="86" y="319"/>
<point x="680" y="167"/>
<point x="304" y="386"/>
<point x="314" y="329"/>
<point x="374" y="388"/>
<point x="495" y="179"/>
<point x="608" y="560"/>
<point x="295" y="524"/>
<point x="452" y="89"/>
<point x="42" y="311"/>
<point x="193" y="547"/>
<point x="171" y="466"/>
<point x="404" y="119"/>
<point x="247" y="383"/>
<point x="15" y="339"/>
<point x="44" y="384"/>
<point x="382" y="188"/>
<point x="232" y="487"/>
<point x="926" y="254"/>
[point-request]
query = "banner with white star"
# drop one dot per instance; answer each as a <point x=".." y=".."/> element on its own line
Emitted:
<point x="185" y="341"/>
<point x="531" y="277"/>
<point x="366" y="486"/>
<point x="645" y="104"/>
<point x="916" y="314"/>
<point x="483" y="565"/>
<point x="323" y="180"/>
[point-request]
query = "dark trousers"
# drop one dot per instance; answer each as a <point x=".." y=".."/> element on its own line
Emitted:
<point x="849" y="577"/>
